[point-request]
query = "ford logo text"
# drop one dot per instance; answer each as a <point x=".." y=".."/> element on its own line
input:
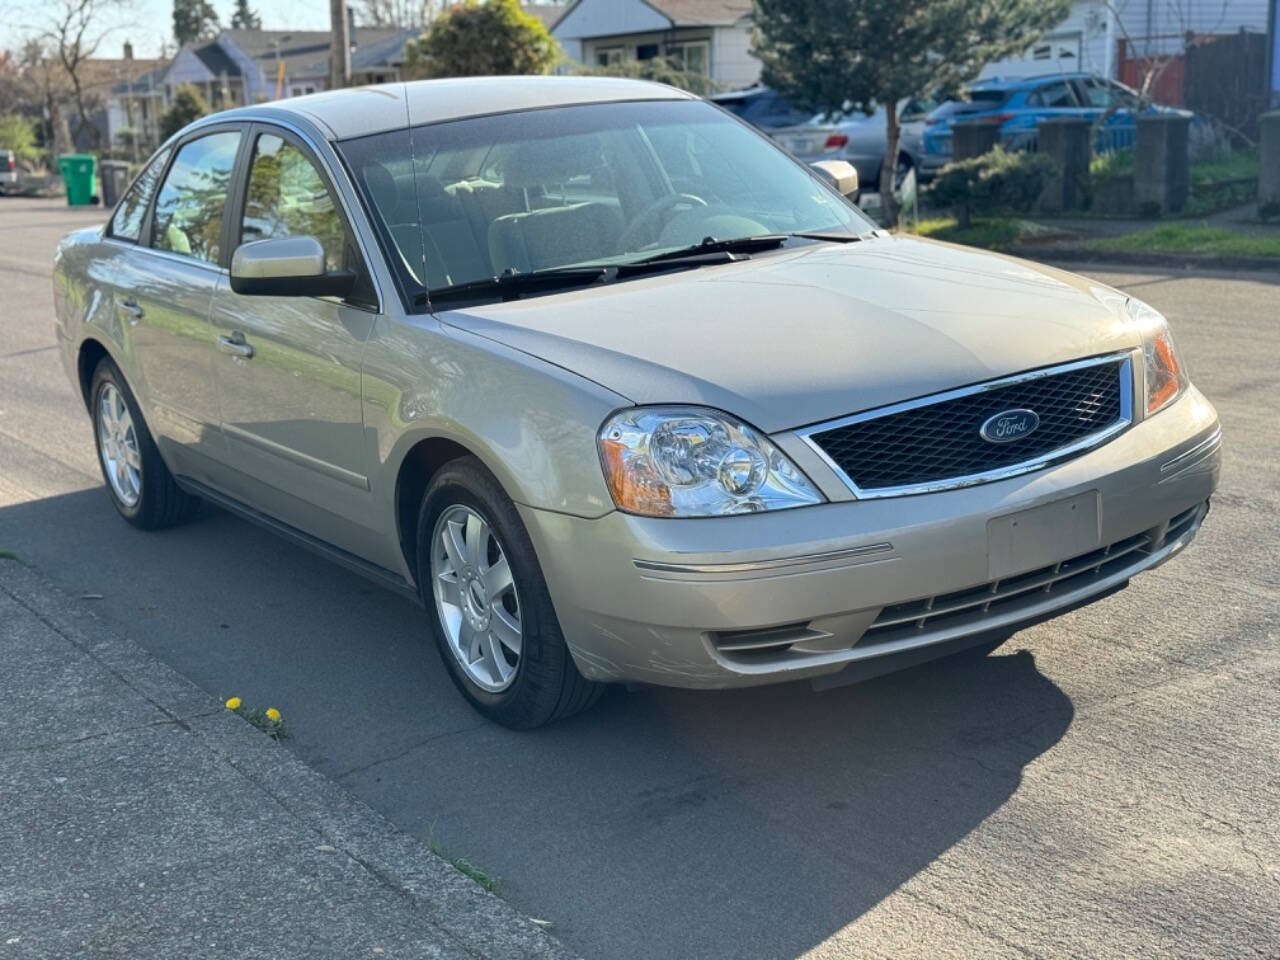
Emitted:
<point x="1009" y="425"/>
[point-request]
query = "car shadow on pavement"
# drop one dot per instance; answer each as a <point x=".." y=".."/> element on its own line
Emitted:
<point x="752" y="823"/>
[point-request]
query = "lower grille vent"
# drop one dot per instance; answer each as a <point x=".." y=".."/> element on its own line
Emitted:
<point x="765" y="640"/>
<point x="991" y="599"/>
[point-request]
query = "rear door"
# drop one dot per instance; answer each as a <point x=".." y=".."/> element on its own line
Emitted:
<point x="164" y="288"/>
<point x="288" y="368"/>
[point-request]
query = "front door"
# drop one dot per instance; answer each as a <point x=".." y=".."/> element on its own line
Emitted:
<point x="287" y="369"/>
<point x="163" y="291"/>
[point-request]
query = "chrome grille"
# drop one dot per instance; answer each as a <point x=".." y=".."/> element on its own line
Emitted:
<point x="934" y="443"/>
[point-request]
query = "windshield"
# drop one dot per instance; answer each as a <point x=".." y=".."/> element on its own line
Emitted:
<point x="613" y="183"/>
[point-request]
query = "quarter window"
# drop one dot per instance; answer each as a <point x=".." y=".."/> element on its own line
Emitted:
<point x="288" y="197"/>
<point x="126" y="222"/>
<point x="190" y="206"/>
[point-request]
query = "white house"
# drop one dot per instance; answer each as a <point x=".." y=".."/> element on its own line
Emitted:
<point x="1098" y="35"/>
<point x="708" y="37"/>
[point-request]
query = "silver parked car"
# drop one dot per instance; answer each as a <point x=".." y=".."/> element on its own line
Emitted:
<point x="619" y="390"/>
<point x="861" y="139"/>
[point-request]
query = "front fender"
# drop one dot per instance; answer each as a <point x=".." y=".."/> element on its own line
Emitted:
<point x="531" y="423"/>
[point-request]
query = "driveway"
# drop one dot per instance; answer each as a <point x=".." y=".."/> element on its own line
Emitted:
<point x="1106" y="785"/>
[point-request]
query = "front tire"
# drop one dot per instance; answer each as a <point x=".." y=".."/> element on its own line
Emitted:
<point x="488" y="604"/>
<point x="141" y="486"/>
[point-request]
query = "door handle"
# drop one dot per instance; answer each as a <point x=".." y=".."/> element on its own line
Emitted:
<point x="130" y="306"/>
<point x="235" y="346"/>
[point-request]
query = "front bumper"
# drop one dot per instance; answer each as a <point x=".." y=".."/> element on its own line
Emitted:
<point x="745" y="600"/>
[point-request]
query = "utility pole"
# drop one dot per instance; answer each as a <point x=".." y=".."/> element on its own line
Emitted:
<point x="339" y="46"/>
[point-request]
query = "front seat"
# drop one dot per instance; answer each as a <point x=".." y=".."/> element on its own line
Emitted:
<point x="557" y="235"/>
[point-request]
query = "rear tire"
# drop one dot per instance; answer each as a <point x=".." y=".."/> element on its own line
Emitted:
<point x="140" y="485"/>
<point x="488" y="605"/>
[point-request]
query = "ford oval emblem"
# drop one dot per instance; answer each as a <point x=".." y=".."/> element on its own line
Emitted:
<point x="1009" y="425"/>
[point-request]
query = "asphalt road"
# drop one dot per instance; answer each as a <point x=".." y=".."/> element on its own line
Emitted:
<point x="1106" y="785"/>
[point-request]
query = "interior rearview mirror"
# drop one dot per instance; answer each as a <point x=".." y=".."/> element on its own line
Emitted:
<point x="840" y="174"/>
<point x="287" y="267"/>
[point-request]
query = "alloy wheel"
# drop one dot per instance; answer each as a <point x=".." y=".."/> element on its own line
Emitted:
<point x="118" y="445"/>
<point x="476" y="598"/>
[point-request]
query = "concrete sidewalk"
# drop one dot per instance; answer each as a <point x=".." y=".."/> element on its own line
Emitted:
<point x="142" y="819"/>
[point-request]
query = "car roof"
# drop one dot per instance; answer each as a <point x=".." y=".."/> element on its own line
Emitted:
<point x="360" y="111"/>
<point x="1020" y="83"/>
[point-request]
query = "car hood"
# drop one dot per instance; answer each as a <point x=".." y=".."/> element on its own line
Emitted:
<point x="804" y="335"/>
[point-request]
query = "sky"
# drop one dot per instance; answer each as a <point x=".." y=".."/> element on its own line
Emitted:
<point x="148" y="24"/>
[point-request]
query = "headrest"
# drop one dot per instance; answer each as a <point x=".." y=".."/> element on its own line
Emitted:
<point x="536" y="163"/>
<point x="383" y="189"/>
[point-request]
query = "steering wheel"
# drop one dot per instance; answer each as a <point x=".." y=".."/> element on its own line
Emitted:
<point x="653" y="210"/>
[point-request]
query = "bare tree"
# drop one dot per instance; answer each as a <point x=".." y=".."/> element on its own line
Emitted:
<point x="72" y="33"/>
<point x="404" y="14"/>
<point x="44" y="85"/>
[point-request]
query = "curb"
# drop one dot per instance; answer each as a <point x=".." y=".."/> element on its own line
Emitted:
<point x="1176" y="261"/>
<point x="479" y="923"/>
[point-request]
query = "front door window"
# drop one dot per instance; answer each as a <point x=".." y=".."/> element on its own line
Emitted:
<point x="287" y="197"/>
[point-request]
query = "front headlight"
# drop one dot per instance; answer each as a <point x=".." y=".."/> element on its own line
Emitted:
<point x="1165" y="375"/>
<point x="695" y="462"/>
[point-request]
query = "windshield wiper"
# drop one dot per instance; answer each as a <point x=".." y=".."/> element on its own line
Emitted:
<point x="832" y="237"/>
<point x="511" y="285"/>
<point x="762" y="241"/>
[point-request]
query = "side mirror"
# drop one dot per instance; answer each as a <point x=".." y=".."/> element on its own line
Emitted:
<point x="286" y="267"/>
<point x="840" y="174"/>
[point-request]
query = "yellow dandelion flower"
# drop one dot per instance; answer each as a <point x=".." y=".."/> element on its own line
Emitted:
<point x="233" y="703"/>
<point x="273" y="714"/>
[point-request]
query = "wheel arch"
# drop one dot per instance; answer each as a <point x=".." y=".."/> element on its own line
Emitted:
<point x="91" y="352"/>
<point x="420" y="463"/>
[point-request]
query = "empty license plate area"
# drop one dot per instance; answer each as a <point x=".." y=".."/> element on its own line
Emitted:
<point x="1043" y="535"/>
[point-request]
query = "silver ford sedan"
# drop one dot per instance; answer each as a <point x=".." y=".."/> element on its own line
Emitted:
<point x="620" y="390"/>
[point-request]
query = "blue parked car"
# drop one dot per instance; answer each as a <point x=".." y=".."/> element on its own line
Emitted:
<point x="1018" y="104"/>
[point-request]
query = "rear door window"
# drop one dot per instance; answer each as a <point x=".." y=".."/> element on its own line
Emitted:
<point x="192" y="203"/>
<point x="1055" y="96"/>
<point x="126" y="222"/>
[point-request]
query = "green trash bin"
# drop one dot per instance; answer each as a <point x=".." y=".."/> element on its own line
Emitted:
<point x="78" y="172"/>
